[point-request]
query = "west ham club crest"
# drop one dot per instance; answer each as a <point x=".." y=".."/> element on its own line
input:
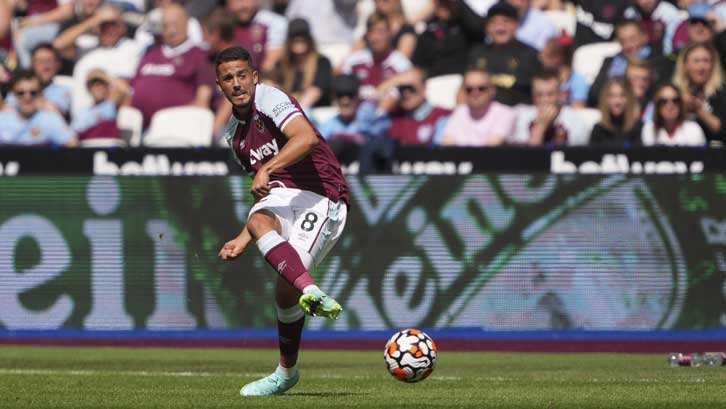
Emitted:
<point x="259" y="124"/>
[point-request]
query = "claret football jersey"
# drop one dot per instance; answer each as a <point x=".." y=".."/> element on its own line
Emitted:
<point x="259" y="136"/>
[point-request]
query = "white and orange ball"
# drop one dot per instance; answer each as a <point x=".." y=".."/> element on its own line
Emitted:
<point x="410" y="355"/>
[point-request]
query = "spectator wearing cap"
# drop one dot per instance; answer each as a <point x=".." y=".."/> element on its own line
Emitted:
<point x="634" y="45"/>
<point x="452" y="30"/>
<point x="175" y="73"/>
<point x="701" y="26"/>
<point x="510" y="62"/>
<point x="413" y="120"/>
<point x="548" y="122"/>
<point x="46" y="64"/>
<point x="535" y="28"/>
<point x="261" y="32"/>
<point x="378" y="61"/>
<point x="658" y="18"/>
<point x="357" y="130"/>
<point x="557" y="56"/>
<point x="99" y="120"/>
<point x="700" y="79"/>
<point x="302" y="71"/>
<point x="481" y="121"/>
<point x="596" y="20"/>
<point x="28" y="123"/>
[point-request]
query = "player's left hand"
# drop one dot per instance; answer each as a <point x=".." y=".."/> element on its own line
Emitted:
<point x="260" y="184"/>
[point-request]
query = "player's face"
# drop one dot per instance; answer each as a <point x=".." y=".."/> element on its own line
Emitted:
<point x="237" y="81"/>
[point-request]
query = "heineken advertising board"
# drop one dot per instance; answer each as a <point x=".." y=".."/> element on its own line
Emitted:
<point x="495" y="252"/>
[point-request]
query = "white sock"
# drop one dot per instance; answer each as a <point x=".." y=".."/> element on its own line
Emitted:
<point x="286" y="373"/>
<point x="311" y="289"/>
<point x="268" y="241"/>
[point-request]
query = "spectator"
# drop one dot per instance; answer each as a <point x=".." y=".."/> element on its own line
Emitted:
<point x="45" y="64"/>
<point x="302" y="71"/>
<point x="403" y="34"/>
<point x="28" y="123"/>
<point x="669" y="125"/>
<point x="557" y="56"/>
<point x="450" y="33"/>
<point x="378" y="62"/>
<point x="219" y="31"/>
<point x="620" y="122"/>
<point x="116" y="55"/>
<point x="548" y="122"/>
<point x="596" y="19"/>
<point x="149" y="32"/>
<point x="700" y="27"/>
<point x="481" y="121"/>
<point x="99" y="121"/>
<point x="658" y="19"/>
<point x="81" y="33"/>
<point x="40" y="24"/>
<point x="633" y="43"/>
<point x="261" y="32"/>
<point x="340" y="17"/>
<point x="173" y="74"/>
<point x="699" y="79"/>
<point x="535" y="28"/>
<point x="639" y="80"/>
<point x="413" y="120"/>
<point x="510" y="62"/>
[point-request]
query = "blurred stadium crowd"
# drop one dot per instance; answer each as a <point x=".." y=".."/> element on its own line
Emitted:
<point x="370" y="73"/>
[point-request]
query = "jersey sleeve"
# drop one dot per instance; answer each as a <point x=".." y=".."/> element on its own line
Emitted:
<point x="276" y="105"/>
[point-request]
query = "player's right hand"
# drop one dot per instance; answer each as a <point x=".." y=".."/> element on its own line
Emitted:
<point x="233" y="248"/>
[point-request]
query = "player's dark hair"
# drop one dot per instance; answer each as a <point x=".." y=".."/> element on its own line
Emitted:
<point x="232" y="54"/>
<point x="23" y="75"/>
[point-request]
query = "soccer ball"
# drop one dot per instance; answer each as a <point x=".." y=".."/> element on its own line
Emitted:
<point x="410" y="355"/>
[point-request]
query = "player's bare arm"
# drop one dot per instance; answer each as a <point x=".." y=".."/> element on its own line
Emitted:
<point x="233" y="248"/>
<point x="301" y="141"/>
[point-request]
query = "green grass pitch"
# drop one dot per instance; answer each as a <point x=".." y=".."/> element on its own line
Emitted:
<point x="47" y="377"/>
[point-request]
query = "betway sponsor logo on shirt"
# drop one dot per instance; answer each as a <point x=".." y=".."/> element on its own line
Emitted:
<point x="258" y="154"/>
<point x="620" y="163"/>
<point x="157" y="165"/>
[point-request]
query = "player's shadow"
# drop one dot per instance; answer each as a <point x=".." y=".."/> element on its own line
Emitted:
<point x="322" y="394"/>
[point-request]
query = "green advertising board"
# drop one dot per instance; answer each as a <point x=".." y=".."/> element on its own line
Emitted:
<point x="496" y="252"/>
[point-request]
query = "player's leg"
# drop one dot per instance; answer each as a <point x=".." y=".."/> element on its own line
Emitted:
<point x="290" y="321"/>
<point x="264" y="224"/>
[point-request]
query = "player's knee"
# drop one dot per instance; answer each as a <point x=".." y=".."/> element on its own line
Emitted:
<point x="260" y="223"/>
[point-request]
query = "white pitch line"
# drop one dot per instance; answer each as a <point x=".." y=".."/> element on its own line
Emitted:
<point x="183" y="374"/>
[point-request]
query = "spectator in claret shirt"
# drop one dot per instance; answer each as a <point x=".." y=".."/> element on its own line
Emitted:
<point x="510" y="62"/>
<point x="173" y="74"/>
<point x="548" y="122"/>
<point x="261" y="32"/>
<point x="99" y="120"/>
<point x="412" y="119"/>
<point x="379" y="61"/>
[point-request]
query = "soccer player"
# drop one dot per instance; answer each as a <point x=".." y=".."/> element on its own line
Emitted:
<point x="300" y="202"/>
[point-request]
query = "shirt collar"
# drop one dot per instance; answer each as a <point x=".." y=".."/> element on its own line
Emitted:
<point x="171" y="52"/>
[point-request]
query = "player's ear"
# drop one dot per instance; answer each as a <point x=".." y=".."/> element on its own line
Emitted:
<point x="255" y="77"/>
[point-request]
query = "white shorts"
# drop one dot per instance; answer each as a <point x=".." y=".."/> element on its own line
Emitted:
<point x="311" y="223"/>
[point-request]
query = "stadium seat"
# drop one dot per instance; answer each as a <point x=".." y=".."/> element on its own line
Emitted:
<point x="184" y="126"/>
<point x="321" y="115"/>
<point x="441" y="91"/>
<point x="590" y="116"/>
<point x="103" y="143"/>
<point x="589" y="58"/>
<point x="336" y="53"/>
<point x="563" y="20"/>
<point x="130" y="122"/>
